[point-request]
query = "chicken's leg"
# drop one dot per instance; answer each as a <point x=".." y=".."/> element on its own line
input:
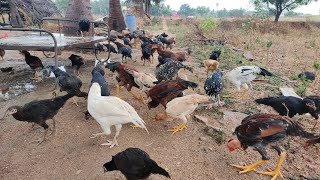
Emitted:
<point x="43" y="137"/>
<point x="114" y="141"/>
<point x="249" y="168"/>
<point x="243" y="95"/>
<point x="276" y="172"/>
<point x="142" y="100"/>
<point x="36" y="76"/>
<point x="135" y="96"/>
<point x="179" y="128"/>
<point x="74" y="101"/>
<point x="232" y="94"/>
<point x="118" y="91"/>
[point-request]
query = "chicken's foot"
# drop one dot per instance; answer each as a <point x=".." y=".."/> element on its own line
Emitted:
<point x="248" y="168"/>
<point x="39" y="141"/>
<point x="118" y="91"/>
<point x="276" y="172"/>
<point x="177" y="129"/>
<point x="142" y="100"/>
<point x="74" y="101"/>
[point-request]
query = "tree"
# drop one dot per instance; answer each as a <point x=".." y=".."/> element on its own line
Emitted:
<point x="62" y="5"/>
<point x="14" y="15"/>
<point x="281" y="5"/>
<point x="100" y="7"/>
<point x="77" y="9"/>
<point x="202" y="11"/>
<point x="116" y="20"/>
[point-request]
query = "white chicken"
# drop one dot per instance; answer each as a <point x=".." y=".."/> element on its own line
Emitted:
<point x="182" y="107"/>
<point x="243" y="75"/>
<point x="111" y="111"/>
<point x="144" y="81"/>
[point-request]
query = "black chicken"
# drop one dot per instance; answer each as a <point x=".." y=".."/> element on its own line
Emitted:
<point x="169" y="70"/>
<point x="39" y="111"/>
<point x="146" y="53"/>
<point x="34" y="62"/>
<point x="308" y="75"/>
<point x="76" y="61"/>
<point x="98" y="77"/>
<point x="260" y="130"/>
<point x="113" y="38"/>
<point x="214" y="86"/>
<point x="312" y="142"/>
<point x="126" y="52"/>
<point x="69" y="83"/>
<point x="119" y="45"/>
<point x="126" y="41"/>
<point x="111" y="48"/>
<point x="84" y="26"/>
<point x="289" y="105"/>
<point x="134" y="164"/>
<point x="215" y="55"/>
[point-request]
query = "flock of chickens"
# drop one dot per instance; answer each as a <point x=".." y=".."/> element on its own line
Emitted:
<point x="165" y="87"/>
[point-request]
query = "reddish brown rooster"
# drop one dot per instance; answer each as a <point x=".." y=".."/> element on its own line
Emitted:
<point x="178" y="56"/>
<point x="165" y="91"/>
<point x="124" y="78"/>
<point x="260" y="130"/>
<point x="34" y="62"/>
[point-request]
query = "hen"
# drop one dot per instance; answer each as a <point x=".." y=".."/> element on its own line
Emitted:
<point x="289" y="105"/>
<point x="126" y="41"/>
<point x="211" y="65"/>
<point x="163" y="61"/>
<point x="243" y="75"/>
<point x="77" y="61"/>
<point x="124" y="78"/>
<point x="145" y="81"/>
<point x="69" y="82"/>
<point x="169" y="70"/>
<point x="84" y="26"/>
<point x="111" y="48"/>
<point x="214" y="86"/>
<point x="39" y="111"/>
<point x="146" y="53"/>
<point x="34" y="62"/>
<point x="126" y="52"/>
<point x="165" y="91"/>
<point x="134" y="164"/>
<point x="111" y="111"/>
<point x="260" y="130"/>
<point x="181" y="108"/>
<point x="215" y="55"/>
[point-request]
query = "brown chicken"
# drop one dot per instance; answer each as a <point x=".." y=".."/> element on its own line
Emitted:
<point x="169" y="42"/>
<point x="178" y="56"/>
<point x="34" y="62"/>
<point x="124" y="78"/>
<point x="165" y="91"/>
<point x="211" y="65"/>
<point x="260" y="130"/>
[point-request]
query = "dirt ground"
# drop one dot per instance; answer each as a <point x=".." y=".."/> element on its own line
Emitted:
<point x="71" y="154"/>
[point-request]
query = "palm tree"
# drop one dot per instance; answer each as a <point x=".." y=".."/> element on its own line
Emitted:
<point x="77" y="9"/>
<point x="14" y="15"/>
<point x="116" y="20"/>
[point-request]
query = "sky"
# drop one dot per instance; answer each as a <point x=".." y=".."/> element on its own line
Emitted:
<point x="312" y="8"/>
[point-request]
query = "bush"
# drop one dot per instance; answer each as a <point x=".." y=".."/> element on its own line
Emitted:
<point x="207" y="24"/>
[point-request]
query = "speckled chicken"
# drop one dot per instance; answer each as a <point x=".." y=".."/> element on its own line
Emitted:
<point x="134" y="164"/>
<point x="214" y="86"/>
<point x="260" y="130"/>
<point x="169" y="70"/>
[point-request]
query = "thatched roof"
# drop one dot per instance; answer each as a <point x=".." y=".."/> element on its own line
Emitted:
<point x="34" y="10"/>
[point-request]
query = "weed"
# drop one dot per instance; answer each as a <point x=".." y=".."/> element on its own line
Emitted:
<point x="207" y="24"/>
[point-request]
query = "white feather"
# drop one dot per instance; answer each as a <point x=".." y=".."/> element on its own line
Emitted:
<point x="110" y="110"/>
<point x="242" y="75"/>
<point x="62" y="68"/>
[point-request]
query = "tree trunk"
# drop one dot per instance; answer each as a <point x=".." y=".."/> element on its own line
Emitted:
<point x="116" y="20"/>
<point x="278" y="13"/>
<point x="15" y="16"/>
<point x="77" y="9"/>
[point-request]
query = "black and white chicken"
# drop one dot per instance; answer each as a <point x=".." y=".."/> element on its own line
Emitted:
<point x="243" y="75"/>
<point x="169" y="70"/>
<point x="214" y="86"/>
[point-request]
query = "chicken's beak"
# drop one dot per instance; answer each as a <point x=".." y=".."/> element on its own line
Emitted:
<point x="105" y="169"/>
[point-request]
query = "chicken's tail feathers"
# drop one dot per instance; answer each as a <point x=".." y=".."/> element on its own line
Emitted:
<point x="140" y="123"/>
<point x="156" y="169"/>
<point x="313" y="141"/>
<point x="265" y="72"/>
<point x="296" y="129"/>
<point x="190" y="84"/>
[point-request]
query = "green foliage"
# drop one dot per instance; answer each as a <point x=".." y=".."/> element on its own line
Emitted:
<point x="231" y="13"/>
<point x="292" y="14"/>
<point x="316" y="66"/>
<point x="302" y="84"/>
<point x="161" y="9"/>
<point x="202" y="11"/>
<point x="100" y="7"/>
<point x="186" y="10"/>
<point x="207" y="24"/>
<point x="155" y="21"/>
<point x="62" y="5"/>
<point x="269" y="44"/>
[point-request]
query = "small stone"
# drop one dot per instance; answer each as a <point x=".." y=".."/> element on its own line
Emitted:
<point x="78" y="172"/>
<point x="202" y="138"/>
